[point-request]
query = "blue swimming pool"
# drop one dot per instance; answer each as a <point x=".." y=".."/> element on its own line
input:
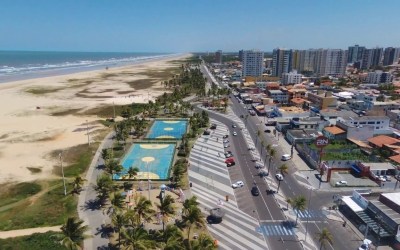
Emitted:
<point x="167" y="129"/>
<point x="153" y="160"/>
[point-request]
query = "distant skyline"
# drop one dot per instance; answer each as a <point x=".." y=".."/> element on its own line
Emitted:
<point x="196" y="26"/>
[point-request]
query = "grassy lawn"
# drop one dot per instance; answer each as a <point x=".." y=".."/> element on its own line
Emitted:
<point x="48" y="209"/>
<point x="14" y="193"/>
<point x="36" y="241"/>
<point x="337" y="145"/>
<point x="354" y="155"/>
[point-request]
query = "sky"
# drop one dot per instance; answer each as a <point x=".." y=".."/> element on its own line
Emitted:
<point x="196" y="25"/>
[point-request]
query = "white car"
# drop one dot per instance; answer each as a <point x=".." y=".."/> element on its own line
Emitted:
<point x="227" y="145"/>
<point x="238" y="184"/>
<point x="226" y="141"/>
<point x="341" y="183"/>
<point x="286" y="157"/>
<point x="234" y="133"/>
<point x="279" y="177"/>
<point x="381" y="178"/>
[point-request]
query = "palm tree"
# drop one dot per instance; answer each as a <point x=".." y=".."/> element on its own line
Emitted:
<point x="272" y="153"/>
<point x="299" y="204"/>
<point x="117" y="202"/>
<point x="143" y="210"/>
<point x="323" y="237"/>
<point x="166" y="208"/>
<point x="204" y="242"/>
<point x="77" y="184"/>
<point x="119" y="220"/>
<point x="74" y="233"/>
<point x="192" y="201"/>
<point x="192" y="216"/>
<point x="132" y="171"/>
<point x="173" y="238"/>
<point x="284" y="169"/>
<point x="137" y="239"/>
<point x="104" y="185"/>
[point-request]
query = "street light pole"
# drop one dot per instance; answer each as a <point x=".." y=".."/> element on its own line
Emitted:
<point x="309" y="201"/>
<point x="148" y="177"/>
<point x="62" y="171"/>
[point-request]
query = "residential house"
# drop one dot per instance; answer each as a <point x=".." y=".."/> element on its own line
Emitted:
<point x="279" y="96"/>
<point x="334" y="133"/>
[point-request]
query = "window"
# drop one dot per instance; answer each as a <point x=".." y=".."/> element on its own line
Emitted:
<point x="377" y="127"/>
<point x="371" y="122"/>
<point x="378" y="122"/>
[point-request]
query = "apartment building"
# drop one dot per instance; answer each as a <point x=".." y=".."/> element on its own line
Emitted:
<point x="252" y="63"/>
<point x="380" y="124"/>
<point x="372" y="58"/>
<point x="218" y="57"/>
<point x="291" y="78"/>
<point x="281" y="62"/>
<point x="379" y="77"/>
<point x="279" y="96"/>
<point x="355" y="53"/>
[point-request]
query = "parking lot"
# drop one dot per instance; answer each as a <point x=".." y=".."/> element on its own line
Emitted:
<point x="352" y="181"/>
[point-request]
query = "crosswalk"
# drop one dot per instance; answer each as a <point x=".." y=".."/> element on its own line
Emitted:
<point x="211" y="184"/>
<point x="276" y="229"/>
<point x="310" y="214"/>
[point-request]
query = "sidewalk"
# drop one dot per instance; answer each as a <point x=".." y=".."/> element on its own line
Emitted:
<point x="28" y="231"/>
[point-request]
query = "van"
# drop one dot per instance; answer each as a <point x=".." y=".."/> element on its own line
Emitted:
<point x="286" y="157"/>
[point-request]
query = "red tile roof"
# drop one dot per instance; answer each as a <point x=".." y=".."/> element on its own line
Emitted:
<point x="383" y="139"/>
<point x="334" y="130"/>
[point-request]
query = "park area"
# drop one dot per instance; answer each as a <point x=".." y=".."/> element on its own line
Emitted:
<point x="167" y="129"/>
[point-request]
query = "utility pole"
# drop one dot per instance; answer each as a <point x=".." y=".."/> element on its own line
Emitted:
<point x="62" y="171"/>
<point x="87" y="131"/>
<point x="114" y="111"/>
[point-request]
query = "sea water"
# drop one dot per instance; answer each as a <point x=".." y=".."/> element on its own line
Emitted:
<point x="19" y="65"/>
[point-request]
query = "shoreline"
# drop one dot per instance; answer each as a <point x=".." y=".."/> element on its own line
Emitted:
<point x="73" y="70"/>
<point x="41" y="116"/>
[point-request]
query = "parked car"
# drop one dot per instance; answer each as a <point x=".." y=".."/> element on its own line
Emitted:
<point x="226" y="145"/>
<point x="279" y="177"/>
<point x="228" y="155"/>
<point x="233" y="126"/>
<point x="225" y="136"/>
<point x="286" y="157"/>
<point x="234" y="133"/>
<point x="238" y="184"/>
<point x="255" y="191"/>
<point x="381" y="178"/>
<point x="267" y="131"/>
<point x="226" y="141"/>
<point x="230" y="162"/>
<point x="388" y="178"/>
<point x="341" y="183"/>
<point x="213" y="126"/>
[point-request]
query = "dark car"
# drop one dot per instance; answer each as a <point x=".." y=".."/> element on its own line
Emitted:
<point x="267" y="131"/>
<point x="255" y="191"/>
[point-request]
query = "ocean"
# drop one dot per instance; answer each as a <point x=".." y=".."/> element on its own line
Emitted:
<point x="20" y="65"/>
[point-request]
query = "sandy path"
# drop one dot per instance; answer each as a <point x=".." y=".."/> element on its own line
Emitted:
<point x="28" y="231"/>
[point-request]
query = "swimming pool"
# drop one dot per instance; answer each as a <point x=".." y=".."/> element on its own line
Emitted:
<point x="154" y="160"/>
<point x="167" y="129"/>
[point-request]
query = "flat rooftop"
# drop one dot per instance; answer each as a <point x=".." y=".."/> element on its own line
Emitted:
<point x="394" y="197"/>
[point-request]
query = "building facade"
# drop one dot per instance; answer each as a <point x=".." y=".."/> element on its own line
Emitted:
<point x="372" y="58"/>
<point x="379" y="77"/>
<point x="291" y="78"/>
<point x="252" y="63"/>
<point x="355" y="53"/>
<point x="281" y="62"/>
<point x="218" y="57"/>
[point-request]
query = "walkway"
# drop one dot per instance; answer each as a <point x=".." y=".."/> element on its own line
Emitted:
<point x="211" y="184"/>
<point x="28" y="231"/>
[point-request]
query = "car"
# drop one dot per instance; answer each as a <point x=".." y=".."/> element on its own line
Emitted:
<point x="255" y="191"/>
<point x="381" y="178"/>
<point x="233" y="126"/>
<point x="226" y="141"/>
<point x="226" y="145"/>
<point x="234" y="133"/>
<point x="228" y="155"/>
<point x="238" y="184"/>
<point x="286" y="157"/>
<point x="341" y="183"/>
<point x="225" y="136"/>
<point x="279" y="177"/>
<point x="387" y="177"/>
<point x="258" y="165"/>
<point x="267" y="131"/>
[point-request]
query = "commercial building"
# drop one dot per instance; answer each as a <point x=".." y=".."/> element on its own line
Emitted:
<point x="291" y="78"/>
<point x="252" y="63"/>
<point x="279" y="96"/>
<point x="322" y="100"/>
<point x="380" y="124"/>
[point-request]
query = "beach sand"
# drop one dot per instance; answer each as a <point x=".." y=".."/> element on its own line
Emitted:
<point x="44" y="115"/>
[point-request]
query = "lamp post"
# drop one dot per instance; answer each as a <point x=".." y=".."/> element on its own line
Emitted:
<point x="62" y="172"/>
<point x="148" y="177"/>
<point x="309" y="201"/>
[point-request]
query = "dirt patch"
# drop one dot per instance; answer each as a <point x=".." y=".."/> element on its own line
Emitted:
<point x="65" y="112"/>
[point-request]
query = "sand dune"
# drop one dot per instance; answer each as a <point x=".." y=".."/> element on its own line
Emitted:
<point x="39" y="116"/>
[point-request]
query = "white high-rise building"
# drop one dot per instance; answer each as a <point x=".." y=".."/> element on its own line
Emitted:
<point x="252" y="63"/>
<point x="291" y="78"/>
<point x="379" y="77"/>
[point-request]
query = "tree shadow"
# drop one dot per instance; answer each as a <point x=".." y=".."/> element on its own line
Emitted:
<point x="93" y="204"/>
<point x="105" y="231"/>
<point x="100" y="166"/>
